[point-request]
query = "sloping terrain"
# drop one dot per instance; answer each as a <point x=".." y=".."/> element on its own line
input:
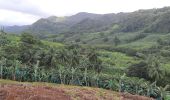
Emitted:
<point x="138" y="30"/>
<point x="11" y="90"/>
<point x="149" y="21"/>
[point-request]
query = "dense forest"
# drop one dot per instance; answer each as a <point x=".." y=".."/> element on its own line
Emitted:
<point x="125" y="52"/>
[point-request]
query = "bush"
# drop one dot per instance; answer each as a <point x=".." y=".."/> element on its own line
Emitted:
<point x="137" y="37"/>
<point x="106" y="39"/>
<point x="138" y="70"/>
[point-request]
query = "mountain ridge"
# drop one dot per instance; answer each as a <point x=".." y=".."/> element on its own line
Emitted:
<point x="141" y="20"/>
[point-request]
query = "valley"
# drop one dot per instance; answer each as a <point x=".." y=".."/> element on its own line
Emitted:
<point x="123" y="52"/>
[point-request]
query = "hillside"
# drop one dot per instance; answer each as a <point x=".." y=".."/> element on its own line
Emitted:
<point x="12" y="90"/>
<point x="142" y="27"/>
<point x="152" y="20"/>
<point x="119" y="67"/>
<point x="127" y="52"/>
<point x="15" y="29"/>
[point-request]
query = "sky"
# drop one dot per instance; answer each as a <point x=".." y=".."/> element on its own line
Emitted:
<point x="25" y="12"/>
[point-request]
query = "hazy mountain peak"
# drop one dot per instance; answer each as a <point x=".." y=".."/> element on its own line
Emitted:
<point x="86" y="13"/>
<point x="52" y="17"/>
<point x="152" y="20"/>
<point x="55" y="19"/>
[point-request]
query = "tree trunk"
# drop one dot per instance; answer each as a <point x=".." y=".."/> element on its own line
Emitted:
<point x="1" y="71"/>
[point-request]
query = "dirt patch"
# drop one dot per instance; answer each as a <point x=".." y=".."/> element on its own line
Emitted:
<point x="128" y="96"/>
<point x="15" y="92"/>
<point x="30" y="92"/>
<point x="3" y="94"/>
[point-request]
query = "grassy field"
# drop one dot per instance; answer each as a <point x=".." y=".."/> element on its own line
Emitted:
<point x="115" y="62"/>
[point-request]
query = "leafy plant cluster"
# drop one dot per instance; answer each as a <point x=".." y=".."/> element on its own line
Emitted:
<point x="30" y="59"/>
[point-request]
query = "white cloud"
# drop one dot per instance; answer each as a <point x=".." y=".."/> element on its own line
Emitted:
<point x="30" y="10"/>
<point x="24" y="6"/>
<point x="16" y="18"/>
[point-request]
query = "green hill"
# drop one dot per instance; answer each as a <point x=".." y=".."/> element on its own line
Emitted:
<point x="127" y="52"/>
<point x="152" y="20"/>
